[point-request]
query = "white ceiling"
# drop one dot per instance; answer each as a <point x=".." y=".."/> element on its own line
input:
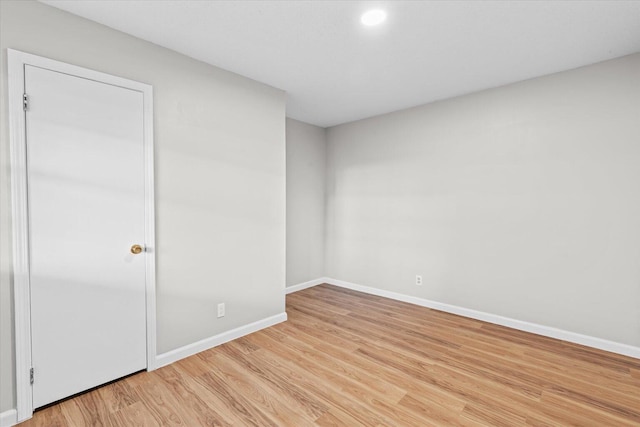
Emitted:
<point x="335" y="70"/>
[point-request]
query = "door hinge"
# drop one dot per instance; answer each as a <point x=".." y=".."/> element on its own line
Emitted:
<point x="25" y="101"/>
<point x="31" y="376"/>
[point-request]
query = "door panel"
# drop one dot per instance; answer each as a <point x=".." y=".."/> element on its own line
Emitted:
<point x="86" y="210"/>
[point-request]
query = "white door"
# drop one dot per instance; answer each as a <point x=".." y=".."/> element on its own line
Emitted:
<point x="85" y="173"/>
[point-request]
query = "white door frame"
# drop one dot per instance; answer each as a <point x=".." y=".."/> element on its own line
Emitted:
<point x="20" y="229"/>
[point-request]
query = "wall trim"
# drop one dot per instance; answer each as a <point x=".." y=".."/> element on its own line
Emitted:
<point x="305" y="285"/>
<point x="169" y="357"/>
<point x="8" y="418"/>
<point x="547" y="331"/>
<point x="19" y="229"/>
<point x="17" y="60"/>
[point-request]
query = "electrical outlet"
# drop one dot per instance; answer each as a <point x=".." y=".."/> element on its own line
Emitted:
<point x="418" y="280"/>
<point x="221" y="309"/>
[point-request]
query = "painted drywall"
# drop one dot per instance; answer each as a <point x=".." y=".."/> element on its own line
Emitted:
<point x="306" y="151"/>
<point x="521" y="201"/>
<point x="220" y="177"/>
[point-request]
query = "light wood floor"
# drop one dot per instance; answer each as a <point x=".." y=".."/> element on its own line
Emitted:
<point x="349" y="359"/>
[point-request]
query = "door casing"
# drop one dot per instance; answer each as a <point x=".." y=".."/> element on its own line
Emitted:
<point x="20" y="223"/>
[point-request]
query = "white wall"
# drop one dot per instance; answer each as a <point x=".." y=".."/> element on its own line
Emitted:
<point x="306" y="151"/>
<point x="220" y="178"/>
<point x="521" y="201"/>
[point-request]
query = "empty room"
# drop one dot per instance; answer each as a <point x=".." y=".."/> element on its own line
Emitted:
<point x="319" y="213"/>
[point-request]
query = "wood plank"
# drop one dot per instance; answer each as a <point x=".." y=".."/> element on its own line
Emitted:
<point x="257" y="393"/>
<point x="133" y="415"/>
<point x="291" y="394"/>
<point x="206" y="410"/>
<point x="350" y="359"/>
<point x="117" y="396"/>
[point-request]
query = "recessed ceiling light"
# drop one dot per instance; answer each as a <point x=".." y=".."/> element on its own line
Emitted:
<point x="373" y="17"/>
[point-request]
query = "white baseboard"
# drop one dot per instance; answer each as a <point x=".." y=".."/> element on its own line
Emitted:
<point x="207" y="343"/>
<point x="305" y="285"/>
<point x="8" y="418"/>
<point x="547" y="331"/>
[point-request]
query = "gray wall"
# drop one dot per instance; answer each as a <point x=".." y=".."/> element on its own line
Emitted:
<point x="306" y="151"/>
<point x="521" y="201"/>
<point x="220" y="178"/>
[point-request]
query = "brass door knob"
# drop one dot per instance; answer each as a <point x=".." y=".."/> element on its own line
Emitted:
<point x="136" y="249"/>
